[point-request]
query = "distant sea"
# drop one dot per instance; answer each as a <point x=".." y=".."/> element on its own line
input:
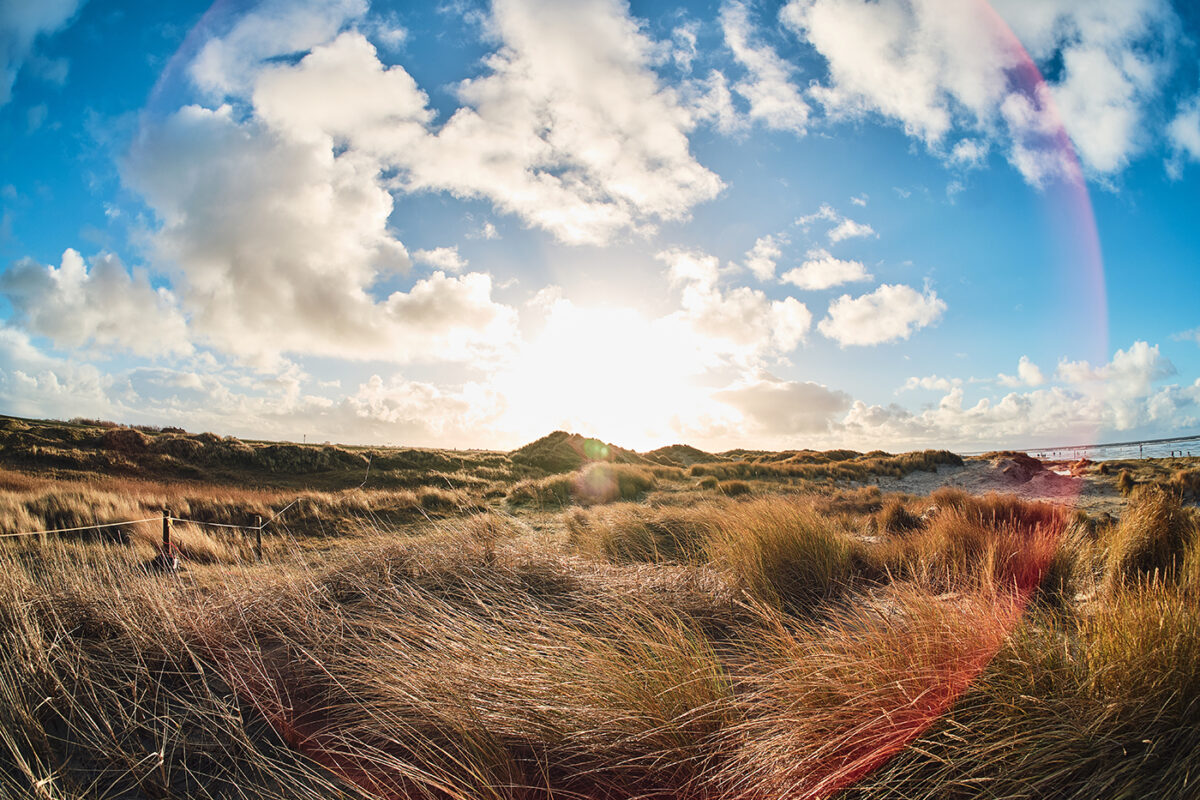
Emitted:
<point x="1144" y="448"/>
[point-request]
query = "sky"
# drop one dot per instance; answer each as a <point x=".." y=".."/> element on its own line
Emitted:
<point x="884" y="224"/>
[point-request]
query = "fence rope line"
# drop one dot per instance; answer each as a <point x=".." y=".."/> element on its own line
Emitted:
<point x="153" y="519"/>
<point x="274" y="517"/>
<point x="81" y="528"/>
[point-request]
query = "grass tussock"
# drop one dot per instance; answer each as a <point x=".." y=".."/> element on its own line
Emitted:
<point x="780" y="552"/>
<point x="594" y="484"/>
<point x="1152" y="539"/>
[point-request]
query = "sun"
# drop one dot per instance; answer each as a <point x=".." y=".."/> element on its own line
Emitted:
<point x="607" y="372"/>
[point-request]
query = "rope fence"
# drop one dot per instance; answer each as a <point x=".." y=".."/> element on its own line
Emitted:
<point x="168" y="549"/>
<point x="169" y="553"/>
<point x="81" y="528"/>
<point x="99" y="526"/>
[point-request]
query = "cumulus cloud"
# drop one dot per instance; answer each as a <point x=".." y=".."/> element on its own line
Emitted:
<point x="101" y="305"/>
<point x="341" y="90"/>
<point x="34" y="384"/>
<point x="761" y="258"/>
<point x="823" y="271"/>
<point x="1183" y="134"/>
<point x="891" y="312"/>
<point x="778" y="407"/>
<point x="939" y="68"/>
<point x="1123" y="382"/>
<point x="228" y="63"/>
<point x="21" y="23"/>
<point x="1028" y="374"/>
<point x="443" y="258"/>
<point x="1121" y="395"/>
<point x="1114" y="56"/>
<point x="569" y="128"/>
<point x="849" y="229"/>
<point x="275" y="243"/>
<point x="740" y="322"/>
<point x="768" y="88"/>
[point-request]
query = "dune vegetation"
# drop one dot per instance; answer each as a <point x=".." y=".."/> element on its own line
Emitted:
<point x="618" y="628"/>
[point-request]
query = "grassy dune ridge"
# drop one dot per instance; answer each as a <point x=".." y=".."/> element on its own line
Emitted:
<point x="614" y="630"/>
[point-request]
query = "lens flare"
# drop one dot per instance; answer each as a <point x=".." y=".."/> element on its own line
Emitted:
<point x="609" y="372"/>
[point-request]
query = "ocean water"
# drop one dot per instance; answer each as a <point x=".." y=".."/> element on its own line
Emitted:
<point x="1150" y="448"/>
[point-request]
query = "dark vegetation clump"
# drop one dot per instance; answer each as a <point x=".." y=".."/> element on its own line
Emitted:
<point x="566" y="452"/>
<point x="680" y="455"/>
<point x="1152" y="538"/>
<point x="734" y="488"/>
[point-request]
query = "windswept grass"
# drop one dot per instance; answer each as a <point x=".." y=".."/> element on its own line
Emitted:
<point x="35" y="505"/>
<point x="1152" y="539"/>
<point x="771" y="646"/>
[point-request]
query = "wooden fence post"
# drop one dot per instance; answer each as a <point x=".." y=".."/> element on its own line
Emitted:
<point x="168" y="560"/>
<point x="258" y="538"/>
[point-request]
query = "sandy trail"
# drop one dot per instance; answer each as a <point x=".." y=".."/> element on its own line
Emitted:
<point x="1095" y="495"/>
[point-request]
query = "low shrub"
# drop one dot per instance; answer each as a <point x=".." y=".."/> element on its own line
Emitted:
<point x="1151" y="540"/>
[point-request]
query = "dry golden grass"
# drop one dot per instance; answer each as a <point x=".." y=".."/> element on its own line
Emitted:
<point x="596" y="483"/>
<point x="1152" y="539"/>
<point x="765" y="647"/>
<point x="32" y="504"/>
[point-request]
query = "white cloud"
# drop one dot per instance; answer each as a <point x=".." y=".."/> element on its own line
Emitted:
<point x="21" y="23"/>
<point x="826" y="212"/>
<point x="443" y="258"/>
<point x="889" y="313"/>
<point x="712" y="101"/>
<point x="823" y="271"/>
<point x="740" y="323"/>
<point x="683" y="45"/>
<point x="228" y="64"/>
<point x="275" y="243"/>
<point x="849" y="229"/>
<point x="843" y="227"/>
<point x="941" y="68"/>
<point x="569" y="128"/>
<point x="1192" y="335"/>
<point x="1123" y="382"/>
<point x="1028" y="374"/>
<point x="103" y="306"/>
<point x="1114" y="56"/>
<point x="1183" y="133"/>
<point x="761" y="258"/>
<point x="860" y="200"/>
<point x="767" y="88"/>
<point x="341" y="90"/>
<point x="1118" y="396"/>
<point x="969" y="152"/>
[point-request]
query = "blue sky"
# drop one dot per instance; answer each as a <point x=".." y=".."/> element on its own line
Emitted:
<point x="895" y="224"/>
